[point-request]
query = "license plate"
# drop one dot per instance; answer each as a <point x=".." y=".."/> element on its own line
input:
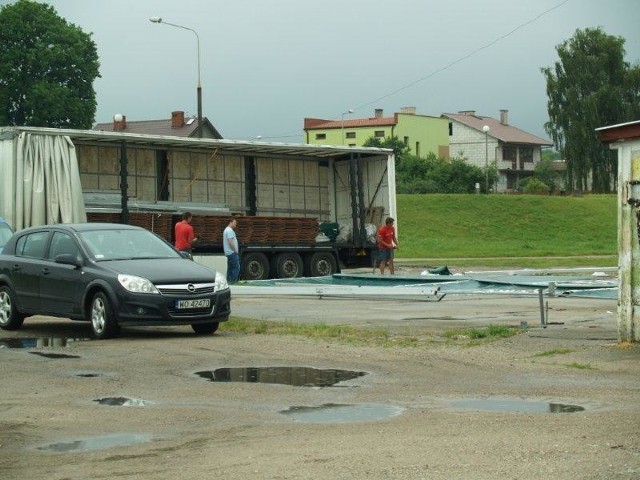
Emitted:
<point x="199" y="303"/>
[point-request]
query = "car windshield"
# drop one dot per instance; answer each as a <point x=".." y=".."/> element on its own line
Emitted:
<point x="5" y="233"/>
<point x="126" y="244"/>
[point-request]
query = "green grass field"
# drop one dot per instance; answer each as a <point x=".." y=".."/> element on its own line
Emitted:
<point x="502" y="230"/>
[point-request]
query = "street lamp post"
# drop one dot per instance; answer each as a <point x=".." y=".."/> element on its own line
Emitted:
<point x="198" y="86"/>
<point x="342" y="123"/>
<point x="486" y="129"/>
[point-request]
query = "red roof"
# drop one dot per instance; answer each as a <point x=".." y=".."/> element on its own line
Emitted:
<point x="162" y="127"/>
<point x="313" y="123"/>
<point x="621" y="131"/>
<point x="505" y="133"/>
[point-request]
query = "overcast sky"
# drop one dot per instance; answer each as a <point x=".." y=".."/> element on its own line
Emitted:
<point x="268" y="64"/>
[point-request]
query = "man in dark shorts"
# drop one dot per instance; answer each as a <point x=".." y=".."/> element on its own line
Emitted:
<point x="387" y="243"/>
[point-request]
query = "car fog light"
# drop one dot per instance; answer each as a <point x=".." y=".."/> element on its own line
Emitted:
<point x="141" y="311"/>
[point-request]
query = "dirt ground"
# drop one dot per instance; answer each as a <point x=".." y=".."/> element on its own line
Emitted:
<point x="192" y="428"/>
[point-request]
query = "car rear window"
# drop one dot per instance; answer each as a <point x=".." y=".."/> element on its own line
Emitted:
<point x="32" y="245"/>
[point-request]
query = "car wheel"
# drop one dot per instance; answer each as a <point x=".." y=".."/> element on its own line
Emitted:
<point x="10" y="317"/>
<point x="103" y="320"/>
<point x="205" y="328"/>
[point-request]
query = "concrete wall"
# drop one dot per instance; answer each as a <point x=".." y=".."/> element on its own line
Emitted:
<point x="628" y="242"/>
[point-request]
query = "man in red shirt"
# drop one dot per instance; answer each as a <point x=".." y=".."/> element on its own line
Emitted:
<point x="387" y="243"/>
<point x="184" y="234"/>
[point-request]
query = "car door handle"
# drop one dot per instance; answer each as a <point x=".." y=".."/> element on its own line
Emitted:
<point x="45" y="271"/>
<point x="15" y="268"/>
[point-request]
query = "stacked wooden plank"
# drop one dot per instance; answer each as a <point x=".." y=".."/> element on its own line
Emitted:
<point x="277" y="230"/>
<point x="209" y="228"/>
<point x="162" y="224"/>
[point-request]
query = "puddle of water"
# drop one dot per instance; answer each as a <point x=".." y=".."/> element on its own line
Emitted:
<point x="54" y="355"/>
<point x="521" y="406"/>
<point x="97" y="443"/>
<point x="295" y="376"/>
<point x="122" y="402"/>
<point x="37" y="342"/>
<point x="340" y="413"/>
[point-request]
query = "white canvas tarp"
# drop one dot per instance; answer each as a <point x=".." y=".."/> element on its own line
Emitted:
<point x="40" y="181"/>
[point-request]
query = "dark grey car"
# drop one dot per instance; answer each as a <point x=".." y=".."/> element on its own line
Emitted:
<point x="110" y="275"/>
<point x="5" y="233"/>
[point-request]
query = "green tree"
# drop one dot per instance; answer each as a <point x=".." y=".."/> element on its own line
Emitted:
<point x="47" y="68"/>
<point x="394" y="143"/>
<point x="431" y="174"/>
<point x="546" y="174"/>
<point x="549" y="155"/>
<point x="589" y="87"/>
<point x="437" y="175"/>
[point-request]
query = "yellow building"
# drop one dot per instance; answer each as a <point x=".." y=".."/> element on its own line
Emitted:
<point x="421" y="133"/>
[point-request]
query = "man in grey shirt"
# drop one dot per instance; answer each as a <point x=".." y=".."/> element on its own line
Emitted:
<point x="230" y="246"/>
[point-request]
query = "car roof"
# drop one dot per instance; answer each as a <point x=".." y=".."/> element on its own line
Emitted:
<point x="84" y="227"/>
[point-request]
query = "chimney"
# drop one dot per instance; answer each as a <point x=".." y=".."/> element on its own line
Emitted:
<point x="408" y="110"/>
<point x="504" y="117"/>
<point x="119" y="122"/>
<point x="177" y="119"/>
<point x="378" y="113"/>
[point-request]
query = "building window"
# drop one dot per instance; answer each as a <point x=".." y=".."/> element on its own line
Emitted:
<point x="417" y="149"/>
<point x="450" y="128"/>
<point x="379" y="134"/>
<point x="406" y="141"/>
<point x="351" y="135"/>
<point x="321" y="136"/>
<point x="509" y="153"/>
<point x="526" y="154"/>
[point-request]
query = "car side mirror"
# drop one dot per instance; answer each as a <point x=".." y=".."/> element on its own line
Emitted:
<point x="68" y="259"/>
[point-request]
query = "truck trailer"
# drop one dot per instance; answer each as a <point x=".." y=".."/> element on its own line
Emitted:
<point x="302" y="210"/>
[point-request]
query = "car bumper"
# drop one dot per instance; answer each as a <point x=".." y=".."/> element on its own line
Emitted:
<point x="162" y="309"/>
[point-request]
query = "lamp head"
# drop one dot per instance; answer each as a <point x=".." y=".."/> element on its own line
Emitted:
<point x="486" y="128"/>
<point x="155" y="19"/>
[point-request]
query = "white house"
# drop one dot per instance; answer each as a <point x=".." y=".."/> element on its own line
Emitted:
<point x="485" y="141"/>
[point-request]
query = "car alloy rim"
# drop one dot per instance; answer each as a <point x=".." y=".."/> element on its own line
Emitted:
<point x="97" y="315"/>
<point x="5" y="307"/>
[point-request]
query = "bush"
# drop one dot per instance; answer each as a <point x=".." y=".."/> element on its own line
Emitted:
<point x="535" y="185"/>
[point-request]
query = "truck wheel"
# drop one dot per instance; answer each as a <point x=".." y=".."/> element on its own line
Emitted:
<point x="321" y="264"/>
<point x="288" y="265"/>
<point x="10" y="317"/>
<point x="205" y="328"/>
<point x="103" y="320"/>
<point x="255" y="266"/>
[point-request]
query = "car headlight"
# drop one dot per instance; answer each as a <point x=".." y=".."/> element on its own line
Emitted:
<point x="221" y="283"/>
<point x="136" y="284"/>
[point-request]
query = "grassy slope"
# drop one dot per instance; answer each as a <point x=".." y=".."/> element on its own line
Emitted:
<point x="482" y="226"/>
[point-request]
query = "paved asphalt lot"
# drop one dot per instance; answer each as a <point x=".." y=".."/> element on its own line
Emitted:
<point x="453" y="311"/>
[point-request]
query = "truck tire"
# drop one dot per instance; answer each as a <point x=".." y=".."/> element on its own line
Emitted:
<point x="321" y="264"/>
<point x="254" y="266"/>
<point x="288" y="265"/>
